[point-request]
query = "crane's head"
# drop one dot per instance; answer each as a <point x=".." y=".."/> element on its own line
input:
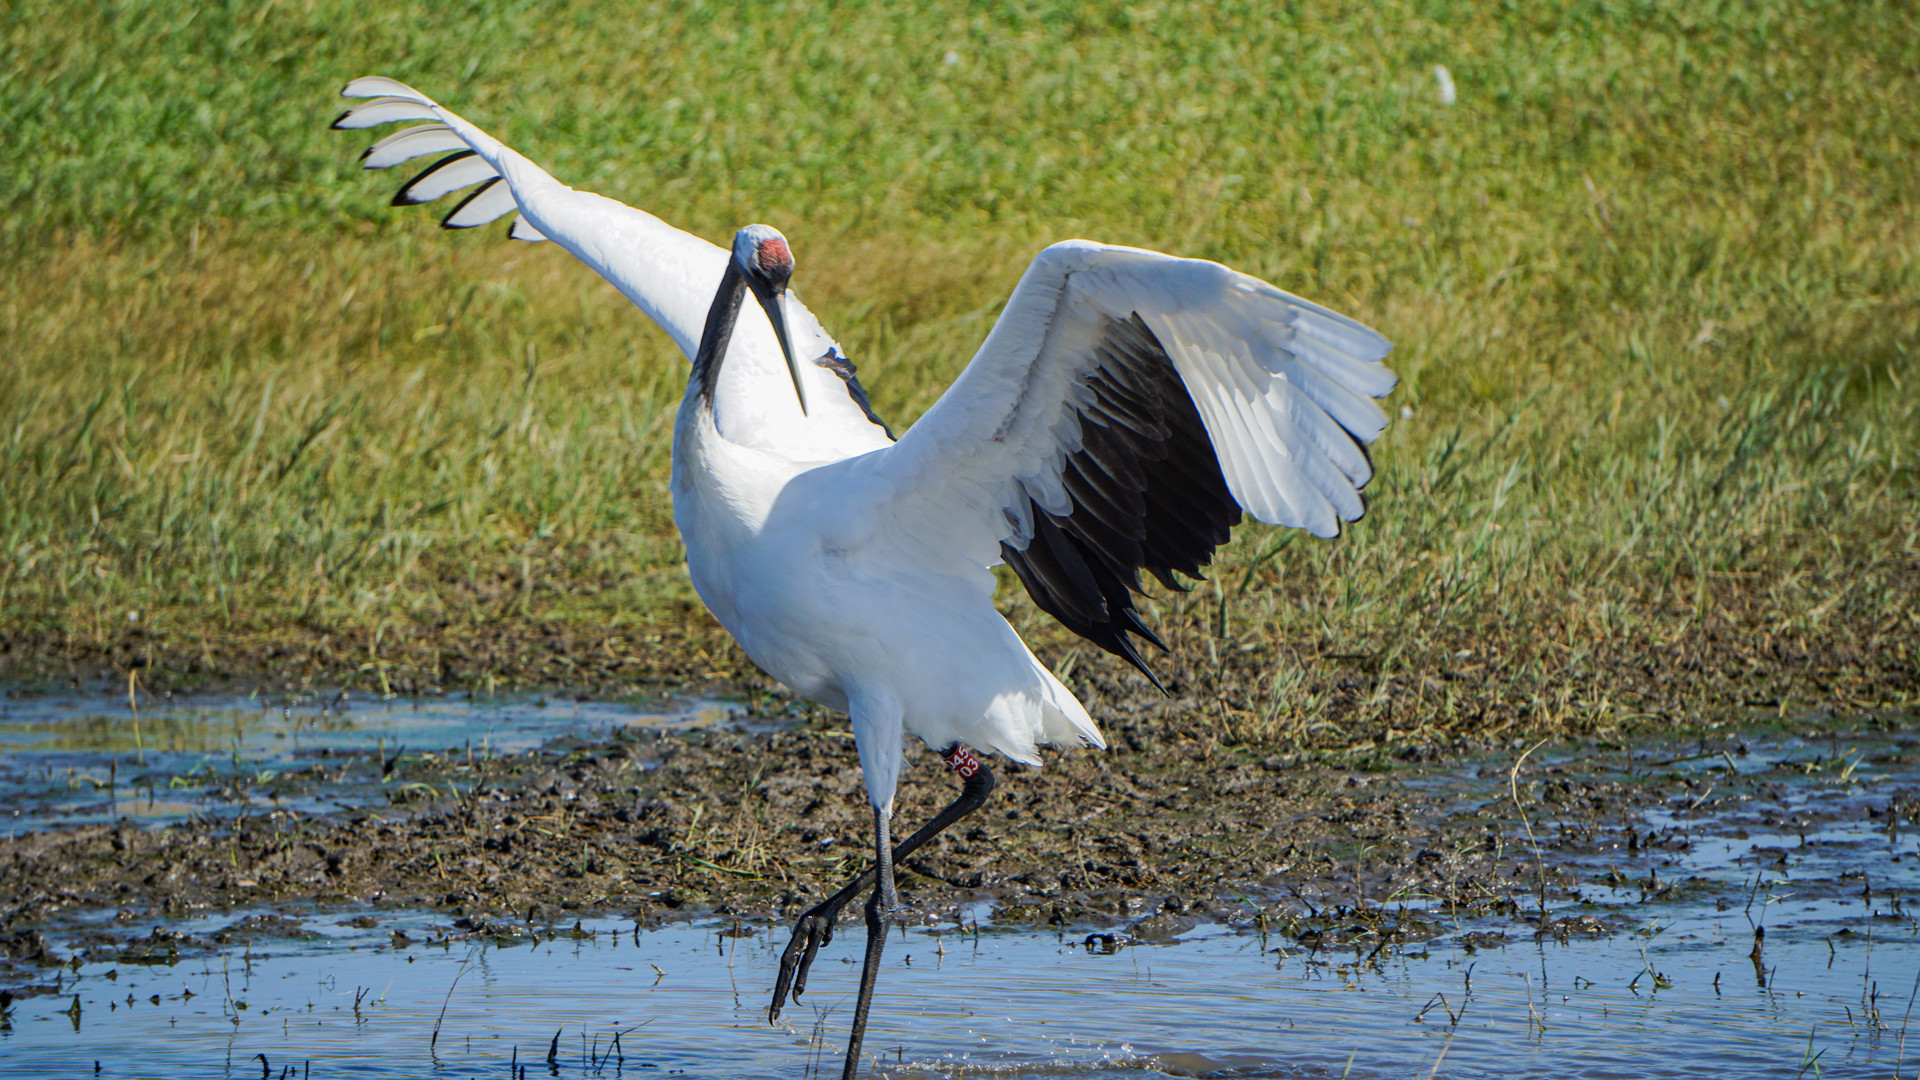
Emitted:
<point x="766" y="262"/>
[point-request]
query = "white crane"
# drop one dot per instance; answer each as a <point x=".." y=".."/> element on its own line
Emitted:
<point x="1123" y="412"/>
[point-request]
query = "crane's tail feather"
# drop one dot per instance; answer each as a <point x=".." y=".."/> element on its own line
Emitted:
<point x="394" y="101"/>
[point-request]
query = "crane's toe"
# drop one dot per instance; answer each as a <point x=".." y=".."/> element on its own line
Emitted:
<point x="814" y="929"/>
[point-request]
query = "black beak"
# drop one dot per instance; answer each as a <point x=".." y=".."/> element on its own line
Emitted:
<point x="773" y="300"/>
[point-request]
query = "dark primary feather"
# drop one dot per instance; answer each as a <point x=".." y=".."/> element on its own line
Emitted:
<point x="1146" y="489"/>
<point x="1147" y="494"/>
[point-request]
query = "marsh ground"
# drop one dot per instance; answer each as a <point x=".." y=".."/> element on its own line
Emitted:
<point x="1628" y="877"/>
<point x="1652" y="278"/>
<point x="1165" y="825"/>
<point x="1653" y="283"/>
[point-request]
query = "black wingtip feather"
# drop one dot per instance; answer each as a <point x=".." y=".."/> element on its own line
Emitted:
<point x="1132" y="656"/>
<point x="1146" y="454"/>
<point x="1139" y="626"/>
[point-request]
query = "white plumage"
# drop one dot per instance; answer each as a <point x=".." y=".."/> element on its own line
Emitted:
<point x="1125" y="408"/>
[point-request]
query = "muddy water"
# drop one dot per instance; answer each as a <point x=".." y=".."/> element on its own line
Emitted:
<point x="68" y="760"/>
<point x="689" y="1000"/>
<point x="1647" y="965"/>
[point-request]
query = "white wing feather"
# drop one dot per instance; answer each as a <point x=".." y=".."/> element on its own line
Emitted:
<point x="669" y="274"/>
<point x="412" y="143"/>
<point x="381" y="111"/>
<point x="447" y="178"/>
<point x="1283" y="386"/>
<point x="492" y="201"/>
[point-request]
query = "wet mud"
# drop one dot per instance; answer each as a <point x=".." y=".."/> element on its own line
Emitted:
<point x="1134" y="844"/>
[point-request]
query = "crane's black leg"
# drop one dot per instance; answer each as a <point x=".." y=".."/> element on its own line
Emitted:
<point x="815" y="928"/>
<point x="880" y="906"/>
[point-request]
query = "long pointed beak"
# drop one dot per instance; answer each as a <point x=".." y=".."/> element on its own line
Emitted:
<point x="774" y="303"/>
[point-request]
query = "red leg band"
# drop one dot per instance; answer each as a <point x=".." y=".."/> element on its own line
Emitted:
<point x="961" y="760"/>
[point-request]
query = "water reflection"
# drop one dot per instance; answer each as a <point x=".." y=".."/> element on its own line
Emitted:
<point x="1658" y="974"/>
<point x="689" y="1000"/>
<point x="71" y="760"/>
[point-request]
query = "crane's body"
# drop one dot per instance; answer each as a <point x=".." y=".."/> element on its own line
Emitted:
<point x="1125" y="409"/>
<point x="820" y="600"/>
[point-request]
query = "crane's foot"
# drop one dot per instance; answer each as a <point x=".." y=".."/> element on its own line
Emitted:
<point x="814" y="929"/>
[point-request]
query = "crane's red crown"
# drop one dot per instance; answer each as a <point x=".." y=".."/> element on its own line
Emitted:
<point x="773" y="257"/>
<point x="760" y="251"/>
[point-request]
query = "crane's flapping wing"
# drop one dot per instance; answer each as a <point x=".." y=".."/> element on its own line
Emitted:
<point x="1125" y="409"/>
<point x="669" y="274"/>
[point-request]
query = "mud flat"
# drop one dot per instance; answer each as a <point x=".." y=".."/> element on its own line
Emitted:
<point x="1626" y="888"/>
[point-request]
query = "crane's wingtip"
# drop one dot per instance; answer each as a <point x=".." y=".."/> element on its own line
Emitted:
<point x="1132" y="656"/>
<point x="381" y="86"/>
<point x="1158" y="685"/>
<point x="1139" y="626"/>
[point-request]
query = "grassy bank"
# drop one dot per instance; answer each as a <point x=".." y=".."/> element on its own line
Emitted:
<point x="1653" y="280"/>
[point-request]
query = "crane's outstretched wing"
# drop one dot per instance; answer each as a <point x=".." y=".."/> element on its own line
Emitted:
<point x="1125" y="409"/>
<point x="669" y="274"/>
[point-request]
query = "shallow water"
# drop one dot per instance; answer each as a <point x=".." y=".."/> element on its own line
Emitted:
<point x="689" y="1000"/>
<point x="1657" y="975"/>
<point x="75" y="759"/>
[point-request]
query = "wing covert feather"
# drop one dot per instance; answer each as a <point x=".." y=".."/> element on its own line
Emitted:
<point x="1123" y="411"/>
<point x="1276" y="379"/>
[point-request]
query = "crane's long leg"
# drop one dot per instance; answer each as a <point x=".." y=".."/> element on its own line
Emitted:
<point x="815" y="928"/>
<point x="882" y="904"/>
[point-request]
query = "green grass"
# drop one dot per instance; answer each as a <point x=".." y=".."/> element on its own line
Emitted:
<point x="1653" y="282"/>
